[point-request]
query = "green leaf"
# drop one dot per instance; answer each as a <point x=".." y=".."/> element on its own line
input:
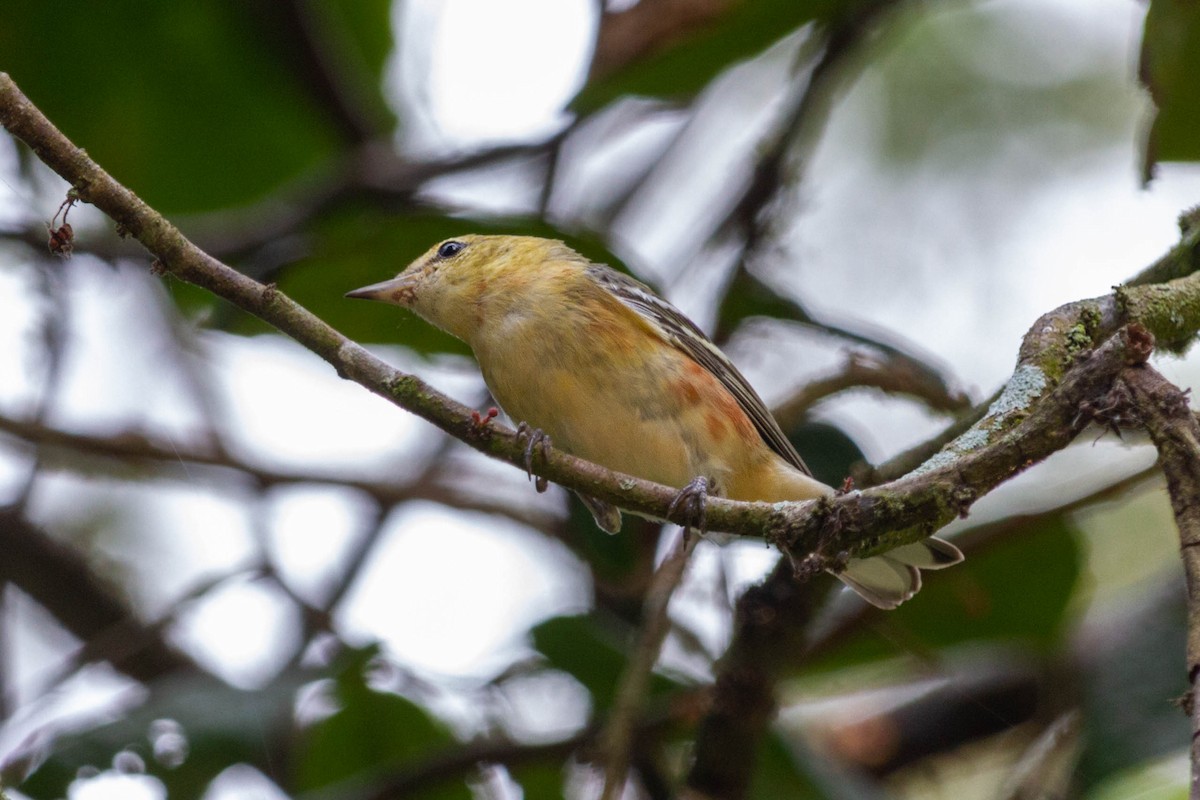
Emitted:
<point x="540" y="781"/>
<point x="371" y="733"/>
<point x="1170" y="63"/>
<point x="776" y="774"/>
<point x="1016" y="589"/>
<point x="1132" y="669"/>
<point x="827" y="450"/>
<point x="688" y="64"/>
<point x="360" y="31"/>
<point x="222" y="725"/>
<point x="593" y="651"/>
<point x="748" y="297"/>
<point x="1162" y="780"/>
<point x="182" y="102"/>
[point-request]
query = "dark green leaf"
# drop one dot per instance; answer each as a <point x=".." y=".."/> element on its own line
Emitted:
<point x="1169" y="66"/>
<point x="371" y="733"/>
<point x="591" y="650"/>
<point x="359" y="33"/>
<point x="688" y="65"/>
<point x="776" y="774"/>
<point x="180" y="101"/>
<point x="748" y="297"/>
<point x="1017" y="589"/>
<point x="541" y="782"/>
<point x="223" y="726"/>
<point x="1132" y="668"/>
<point x="827" y="451"/>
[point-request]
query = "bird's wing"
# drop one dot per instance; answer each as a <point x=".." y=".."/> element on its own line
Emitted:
<point x="682" y="333"/>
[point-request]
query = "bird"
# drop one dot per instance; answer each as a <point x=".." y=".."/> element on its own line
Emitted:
<point x="614" y="374"/>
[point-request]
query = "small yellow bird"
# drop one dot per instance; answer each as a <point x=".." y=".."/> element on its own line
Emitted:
<point x="618" y="376"/>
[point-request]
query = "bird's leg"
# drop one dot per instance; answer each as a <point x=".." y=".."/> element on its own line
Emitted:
<point x="692" y="502"/>
<point x="537" y="439"/>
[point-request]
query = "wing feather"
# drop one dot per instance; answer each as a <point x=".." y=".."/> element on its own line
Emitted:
<point x="683" y="334"/>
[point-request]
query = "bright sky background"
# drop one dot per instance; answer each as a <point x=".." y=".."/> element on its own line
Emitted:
<point x="500" y="71"/>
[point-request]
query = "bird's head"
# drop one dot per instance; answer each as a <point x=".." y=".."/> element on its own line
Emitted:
<point x="459" y="282"/>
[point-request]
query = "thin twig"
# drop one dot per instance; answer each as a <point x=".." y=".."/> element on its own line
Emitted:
<point x="1163" y="408"/>
<point x="174" y="459"/>
<point x="62" y="582"/>
<point x="856" y="524"/>
<point x="863" y="372"/>
<point x="54" y="342"/>
<point x="795" y="134"/>
<point x="618" y="737"/>
<point x="326" y="71"/>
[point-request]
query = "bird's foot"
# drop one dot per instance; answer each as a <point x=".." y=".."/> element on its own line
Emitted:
<point x="692" y="505"/>
<point x="537" y="439"/>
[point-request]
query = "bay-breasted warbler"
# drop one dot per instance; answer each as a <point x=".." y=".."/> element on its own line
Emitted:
<point x="618" y="376"/>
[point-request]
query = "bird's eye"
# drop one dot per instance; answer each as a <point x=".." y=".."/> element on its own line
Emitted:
<point x="450" y="249"/>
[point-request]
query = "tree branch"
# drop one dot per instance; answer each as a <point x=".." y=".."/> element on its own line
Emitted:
<point x="806" y="111"/>
<point x="178" y="256"/>
<point x="63" y="583"/>
<point x="857" y="524"/>
<point x="303" y="39"/>
<point x="769" y="626"/>
<point x="891" y="376"/>
<point x="618" y="736"/>
<point x="1173" y="428"/>
<point x="140" y="449"/>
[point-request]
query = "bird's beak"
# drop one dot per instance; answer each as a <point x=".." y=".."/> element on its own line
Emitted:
<point x="399" y="290"/>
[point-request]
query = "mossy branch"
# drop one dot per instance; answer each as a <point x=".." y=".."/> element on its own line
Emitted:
<point x="1148" y="398"/>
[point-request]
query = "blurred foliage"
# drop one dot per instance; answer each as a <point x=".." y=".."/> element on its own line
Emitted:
<point x="359" y="35"/>
<point x="609" y="557"/>
<point x="1170" y="63"/>
<point x="211" y="107"/>
<point x="222" y="726"/>
<point x="592" y="650"/>
<point x="1131" y="718"/>
<point x="776" y="774"/>
<point x="747" y="297"/>
<point x="1017" y="590"/>
<point x="829" y="451"/>
<point x="540" y="782"/>
<point x="694" y="60"/>
<point x="188" y="104"/>
<point x="1166" y="780"/>
<point x="962" y="85"/>
<point x="370" y="734"/>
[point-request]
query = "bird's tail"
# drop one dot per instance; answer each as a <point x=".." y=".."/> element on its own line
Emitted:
<point x="888" y="579"/>
<point x="885" y="580"/>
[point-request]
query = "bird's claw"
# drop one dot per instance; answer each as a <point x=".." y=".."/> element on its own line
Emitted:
<point x="692" y="503"/>
<point x="537" y="438"/>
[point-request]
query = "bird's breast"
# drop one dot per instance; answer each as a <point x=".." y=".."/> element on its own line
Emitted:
<point x="618" y="396"/>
